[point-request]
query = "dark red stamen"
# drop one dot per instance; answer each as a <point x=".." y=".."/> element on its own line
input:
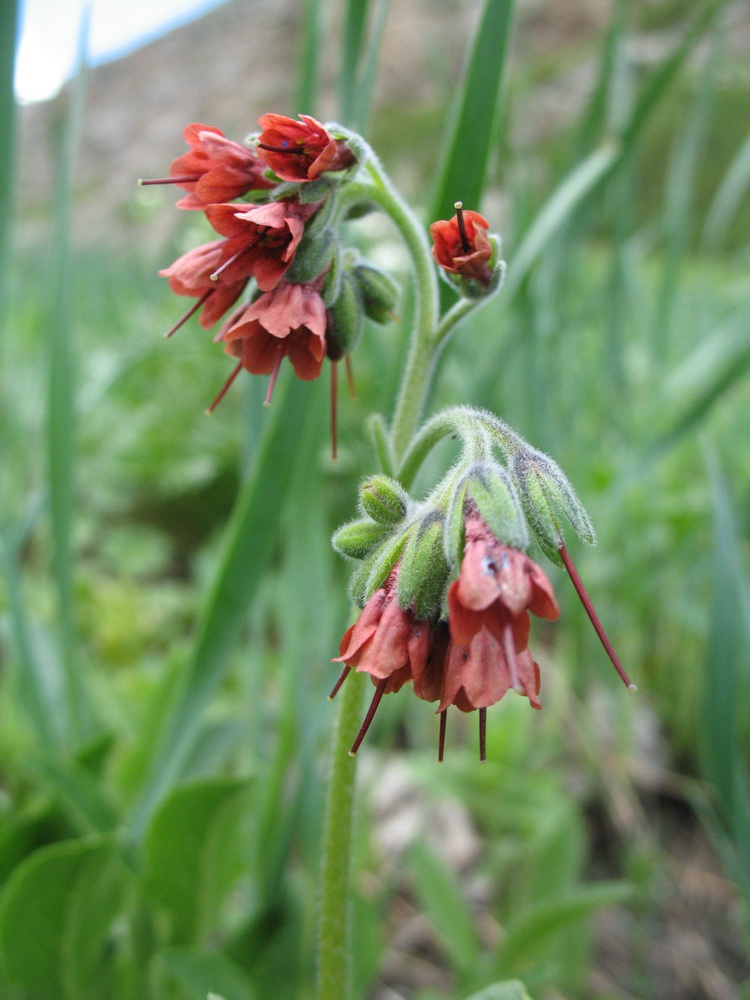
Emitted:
<point x="281" y="149"/>
<point x="339" y="682"/>
<point x="593" y="616"/>
<point x="483" y="734"/>
<point x="224" y="388"/>
<point x="379" y="692"/>
<point x="441" y="737"/>
<point x="193" y="309"/>
<point x="189" y="179"/>
<point x="509" y="648"/>
<point x="274" y="373"/>
<point x="465" y="244"/>
<point x="350" y="377"/>
<point x="235" y="256"/>
<point x="334" y="403"/>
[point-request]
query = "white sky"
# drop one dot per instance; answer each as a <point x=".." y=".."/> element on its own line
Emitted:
<point x="50" y="29"/>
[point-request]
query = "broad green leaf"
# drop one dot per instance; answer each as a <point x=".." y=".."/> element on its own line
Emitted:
<point x="535" y="926"/>
<point x="79" y="793"/>
<point x="202" y="972"/>
<point x="445" y="906"/>
<point x="470" y="136"/>
<point x="193" y="853"/>
<point x="511" y="989"/>
<point x="55" y="913"/>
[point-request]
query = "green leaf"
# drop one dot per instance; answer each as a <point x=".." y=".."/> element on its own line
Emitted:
<point x="445" y="906"/>
<point x="202" y="972"/>
<point x="465" y="155"/>
<point x="193" y="853"/>
<point x="79" y="793"/>
<point x="55" y="915"/>
<point x="537" y="925"/>
<point x="511" y="989"/>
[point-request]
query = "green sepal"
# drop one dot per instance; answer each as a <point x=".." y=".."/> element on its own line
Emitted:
<point x="314" y="255"/>
<point x="424" y="571"/>
<point x="382" y="562"/>
<point x="472" y="288"/>
<point x="378" y="290"/>
<point x="383" y="499"/>
<point x="332" y="282"/>
<point x="345" y="319"/>
<point x="547" y="497"/>
<point x="358" y="584"/>
<point x="454" y="536"/>
<point x="357" y="539"/>
<point x="490" y="490"/>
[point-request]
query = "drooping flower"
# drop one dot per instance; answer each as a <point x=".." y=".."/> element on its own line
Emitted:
<point x="215" y="169"/>
<point x="488" y="609"/>
<point x="390" y="644"/>
<point x="191" y="274"/>
<point x="289" y="321"/>
<point x="260" y="239"/>
<point x="301" y="150"/>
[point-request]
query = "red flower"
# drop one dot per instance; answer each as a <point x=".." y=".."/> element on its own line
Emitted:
<point x="461" y="246"/>
<point x="191" y="275"/>
<point x="261" y="239"/>
<point x="301" y="150"/>
<point x="215" y="169"/>
<point x="488" y="609"/>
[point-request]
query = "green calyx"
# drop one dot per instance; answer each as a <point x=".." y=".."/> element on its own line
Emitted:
<point x="378" y="290"/>
<point x="345" y="319"/>
<point x="548" y="498"/>
<point x="424" y="572"/>
<point x="384" y="500"/>
<point x="358" y="539"/>
<point x="487" y="488"/>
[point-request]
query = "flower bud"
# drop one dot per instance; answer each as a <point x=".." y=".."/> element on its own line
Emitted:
<point x="358" y="539"/>
<point x="547" y="496"/>
<point x="313" y="257"/>
<point x="378" y="290"/>
<point x="424" y="572"/>
<point x="383" y="499"/>
<point x="345" y="319"/>
<point x="490" y="489"/>
<point x="382" y="561"/>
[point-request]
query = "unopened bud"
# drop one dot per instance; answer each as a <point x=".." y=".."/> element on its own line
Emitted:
<point x="345" y="319"/>
<point x="358" y="539"/>
<point x="424" y="572"/>
<point x="382" y="561"/>
<point x="490" y="490"/>
<point x="378" y="290"/>
<point x="547" y="498"/>
<point x="383" y="499"/>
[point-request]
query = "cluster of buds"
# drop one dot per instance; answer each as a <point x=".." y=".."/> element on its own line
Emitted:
<point x="273" y="203"/>
<point x="447" y="586"/>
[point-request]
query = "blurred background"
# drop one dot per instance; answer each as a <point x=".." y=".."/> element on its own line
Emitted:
<point x="164" y="669"/>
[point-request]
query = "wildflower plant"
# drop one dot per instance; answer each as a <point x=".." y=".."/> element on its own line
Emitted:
<point x="446" y="584"/>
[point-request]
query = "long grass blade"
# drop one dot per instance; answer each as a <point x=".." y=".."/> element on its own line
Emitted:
<point x="728" y="197"/>
<point x="309" y="68"/>
<point x="465" y="156"/>
<point x="8" y="30"/>
<point x="249" y="544"/>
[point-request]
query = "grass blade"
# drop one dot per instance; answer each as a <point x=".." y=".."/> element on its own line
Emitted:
<point x="469" y="139"/>
<point x="251" y="537"/>
<point x="309" y="69"/>
<point x="728" y="197"/>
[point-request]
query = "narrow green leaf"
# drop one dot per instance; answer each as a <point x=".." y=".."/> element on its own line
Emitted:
<point x="728" y="197"/>
<point x="201" y="972"/>
<point x="535" y="926"/>
<point x="464" y="158"/>
<point x="8" y="29"/>
<point x="193" y="854"/>
<point x="309" y="69"/>
<point x="250" y="541"/>
<point x="445" y="906"/>
<point x="78" y="792"/>
<point x="55" y="913"/>
<point x="511" y="989"/>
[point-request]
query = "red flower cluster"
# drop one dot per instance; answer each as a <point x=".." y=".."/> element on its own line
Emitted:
<point x="474" y="658"/>
<point x="260" y="242"/>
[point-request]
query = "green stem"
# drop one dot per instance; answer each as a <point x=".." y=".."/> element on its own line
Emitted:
<point x="469" y="424"/>
<point x="458" y="311"/>
<point x="334" y="954"/>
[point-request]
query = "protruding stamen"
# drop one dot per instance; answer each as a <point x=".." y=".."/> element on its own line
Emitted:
<point x="441" y="737"/>
<point x="334" y="404"/>
<point x="483" y="734"/>
<point x="339" y="682"/>
<point x="350" y="377"/>
<point x="379" y="692"/>
<point x="235" y="256"/>
<point x="189" y="179"/>
<point x="593" y="616"/>
<point x="193" y="309"/>
<point x="281" y="149"/>
<point x="224" y="388"/>
<point x="465" y="244"/>
<point x="274" y="373"/>
<point x="509" y="647"/>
